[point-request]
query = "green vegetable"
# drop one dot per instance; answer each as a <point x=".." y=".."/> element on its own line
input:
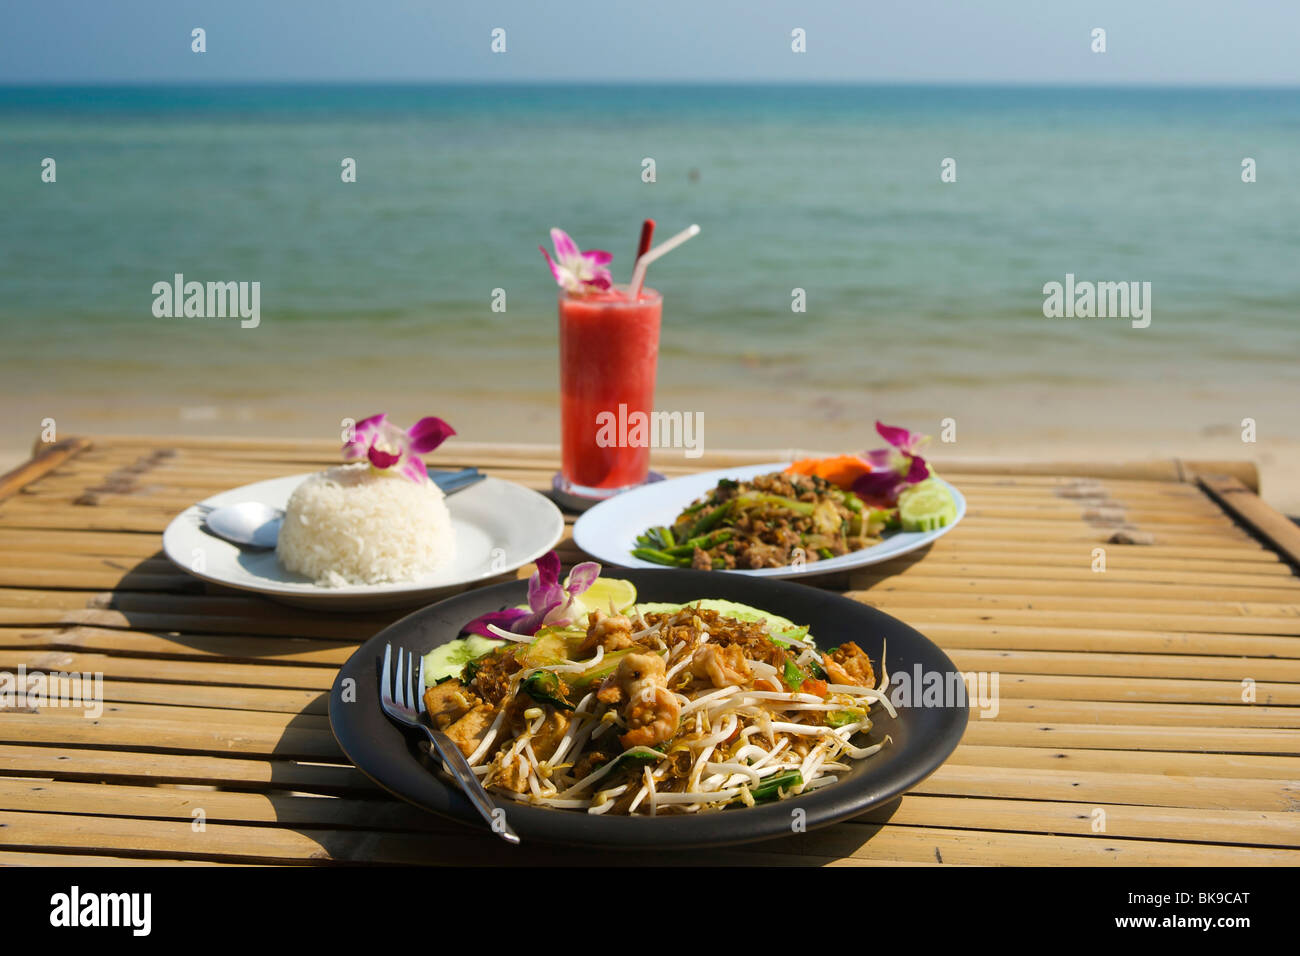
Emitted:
<point x="793" y="675"/>
<point x="545" y="688"/>
<point x="840" y="718"/>
<point x="450" y="659"/>
<point x="656" y="556"/>
<point x="704" y="541"/>
<point x="825" y="553"/>
<point x="926" y="506"/>
<point x="710" y="520"/>
<point x="754" y="499"/>
<point x="548" y="646"/>
<point x="638" y="755"/>
<point x="770" y="787"/>
<point x="782" y="636"/>
<point x="608" y="664"/>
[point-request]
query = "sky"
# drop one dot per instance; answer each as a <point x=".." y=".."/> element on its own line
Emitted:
<point x="1160" y="42"/>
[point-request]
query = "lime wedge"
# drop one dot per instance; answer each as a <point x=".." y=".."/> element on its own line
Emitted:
<point x="605" y="590"/>
<point x="926" y="506"/>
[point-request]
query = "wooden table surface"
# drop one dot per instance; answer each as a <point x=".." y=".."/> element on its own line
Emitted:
<point x="1126" y="731"/>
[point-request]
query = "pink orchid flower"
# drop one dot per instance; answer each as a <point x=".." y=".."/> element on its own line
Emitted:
<point x="549" y="602"/>
<point x="385" y="446"/>
<point x="575" y="270"/>
<point x="893" y="468"/>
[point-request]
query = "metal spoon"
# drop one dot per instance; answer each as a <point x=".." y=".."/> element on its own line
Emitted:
<point x="252" y="524"/>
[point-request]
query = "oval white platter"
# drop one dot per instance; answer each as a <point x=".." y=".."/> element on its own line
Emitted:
<point x="608" y="532"/>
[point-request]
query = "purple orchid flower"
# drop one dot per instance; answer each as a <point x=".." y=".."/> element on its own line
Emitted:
<point x="575" y="270"/>
<point x="549" y="601"/>
<point x="385" y="446"/>
<point x="893" y="468"/>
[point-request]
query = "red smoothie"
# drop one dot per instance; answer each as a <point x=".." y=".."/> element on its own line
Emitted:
<point x="609" y="349"/>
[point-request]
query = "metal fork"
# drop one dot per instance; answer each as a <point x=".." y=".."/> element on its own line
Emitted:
<point x="403" y="701"/>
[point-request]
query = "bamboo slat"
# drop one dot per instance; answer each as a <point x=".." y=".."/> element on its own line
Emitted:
<point x="1146" y="714"/>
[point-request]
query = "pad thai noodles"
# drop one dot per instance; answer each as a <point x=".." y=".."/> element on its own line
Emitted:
<point x="659" y="709"/>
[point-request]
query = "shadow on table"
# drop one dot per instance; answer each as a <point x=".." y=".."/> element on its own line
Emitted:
<point x="880" y="575"/>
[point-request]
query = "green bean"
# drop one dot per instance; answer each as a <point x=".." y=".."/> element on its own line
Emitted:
<point x="708" y="521"/>
<point x="704" y="542"/>
<point x="710" y="541"/>
<point x="659" y="557"/>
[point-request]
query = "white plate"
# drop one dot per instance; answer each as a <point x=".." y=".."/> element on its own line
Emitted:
<point x="499" y="527"/>
<point x="608" y="532"/>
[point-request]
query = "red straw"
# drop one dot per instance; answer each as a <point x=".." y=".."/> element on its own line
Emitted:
<point x="647" y="233"/>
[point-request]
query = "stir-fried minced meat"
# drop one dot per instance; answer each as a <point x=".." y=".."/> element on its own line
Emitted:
<point x="768" y="521"/>
<point x="750" y="636"/>
<point x="492" y="674"/>
<point x="588" y="763"/>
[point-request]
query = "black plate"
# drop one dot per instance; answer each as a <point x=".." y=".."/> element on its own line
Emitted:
<point x="923" y="737"/>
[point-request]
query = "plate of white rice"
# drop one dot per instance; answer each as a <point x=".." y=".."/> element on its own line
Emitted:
<point x="353" y="539"/>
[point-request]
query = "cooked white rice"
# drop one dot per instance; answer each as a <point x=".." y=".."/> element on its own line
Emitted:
<point x="353" y="525"/>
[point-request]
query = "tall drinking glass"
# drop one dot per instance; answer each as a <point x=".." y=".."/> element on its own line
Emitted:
<point x="609" y="351"/>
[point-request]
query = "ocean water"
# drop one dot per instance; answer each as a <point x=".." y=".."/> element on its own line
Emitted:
<point x="384" y="285"/>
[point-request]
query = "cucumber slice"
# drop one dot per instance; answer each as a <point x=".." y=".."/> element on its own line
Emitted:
<point x="448" y="660"/>
<point x="926" y="506"/>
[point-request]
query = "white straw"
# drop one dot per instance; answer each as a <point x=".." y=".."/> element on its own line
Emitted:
<point x="638" y="273"/>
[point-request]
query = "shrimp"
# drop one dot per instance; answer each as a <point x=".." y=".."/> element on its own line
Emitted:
<point x="849" y="664"/>
<point x="724" y="666"/>
<point x="652" y="710"/>
<point x="613" y="632"/>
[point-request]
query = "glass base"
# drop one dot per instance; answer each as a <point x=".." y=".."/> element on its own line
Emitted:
<point x="579" y="497"/>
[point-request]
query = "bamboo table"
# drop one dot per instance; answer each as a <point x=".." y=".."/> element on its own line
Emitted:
<point x="1126" y="731"/>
